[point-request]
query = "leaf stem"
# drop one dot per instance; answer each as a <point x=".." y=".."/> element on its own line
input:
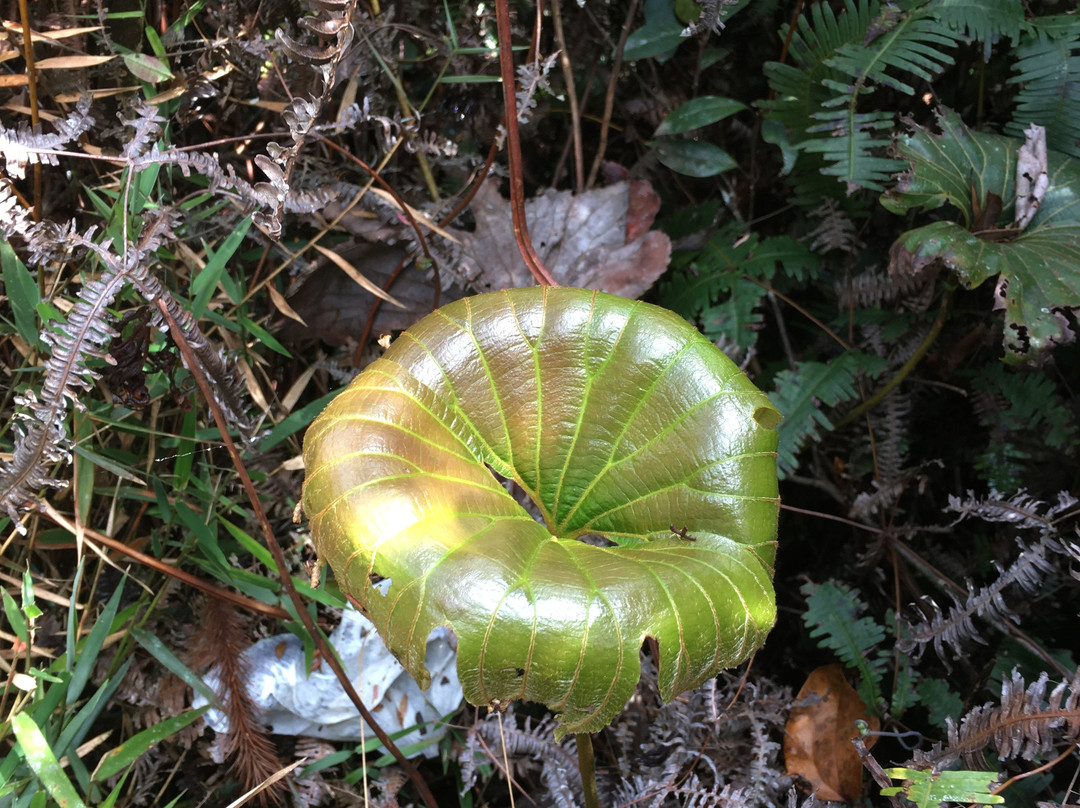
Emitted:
<point x="587" y="768"/>
<point x="513" y="149"/>
<point x="908" y="366"/>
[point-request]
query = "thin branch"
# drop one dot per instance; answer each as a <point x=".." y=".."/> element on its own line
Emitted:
<point x="571" y="95"/>
<point x="609" y="99"/>
<point x="165" y="569"/>
<point x="908" y="366"/>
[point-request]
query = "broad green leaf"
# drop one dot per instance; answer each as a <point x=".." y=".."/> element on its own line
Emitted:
<point x="1039" y="268"/>
<point x="694" y="158"/>
<point x="617" y="419"/>
<point x="929" y="789"/>
<point x="656" y="38"/>
<point x="698" y="112"/>
<point x="147" y="68"/>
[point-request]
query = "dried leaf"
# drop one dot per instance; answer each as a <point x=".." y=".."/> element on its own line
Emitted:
<point x="339" y="261"/>
<point x="583" y="240"/>
<point x="1032" y="175"/>
<point x="817" y="738"/>
<point x="71" y="62"/>
<point x="282" y="305"/>
<point x="335" y="308"/>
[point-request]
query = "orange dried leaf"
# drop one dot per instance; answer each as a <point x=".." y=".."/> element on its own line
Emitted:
<point x="817" y="738"/>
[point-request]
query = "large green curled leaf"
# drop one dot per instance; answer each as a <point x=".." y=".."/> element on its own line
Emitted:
<point x="617" y="418"/>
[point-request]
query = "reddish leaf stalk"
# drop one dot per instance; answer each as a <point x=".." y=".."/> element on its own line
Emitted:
<point x="328" y="653"/>
<point x="513" y="149"/>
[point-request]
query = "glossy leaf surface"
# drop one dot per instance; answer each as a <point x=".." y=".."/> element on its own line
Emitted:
<point x="617" y="418"/>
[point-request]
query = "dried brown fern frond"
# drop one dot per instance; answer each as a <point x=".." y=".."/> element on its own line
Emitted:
<point x="27" y="145"/>
<point x="219" y="643"/>
<point x="1032" y="567"/>
<point x="835" y="231"/>
<point x="41" y="440"/>
<point x="955" y="629"/>
<point x="1020" y="510"/>
<point x="1027" y="724"/>
<point x="331" y="26"/>
<point x="526" y="742"/>
<point x="876" y="287"/>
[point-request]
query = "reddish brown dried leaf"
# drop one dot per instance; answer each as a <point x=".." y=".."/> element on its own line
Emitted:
<point x="599" y="239"/>
<point x="817" y="738"/>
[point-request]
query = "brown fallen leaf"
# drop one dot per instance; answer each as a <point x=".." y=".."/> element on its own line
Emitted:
<point x="817" y="738"/>
<point x="583" y="240"/>
<point x="335" y="308"/>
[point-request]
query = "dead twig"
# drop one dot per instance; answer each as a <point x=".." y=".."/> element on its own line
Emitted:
<point x="609" y="99"/>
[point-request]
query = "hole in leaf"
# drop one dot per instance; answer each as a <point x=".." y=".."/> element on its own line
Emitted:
<point x="518" y="493"/>
<point x="380" y="583"/>
<point x="767" y="417"/>
<point x="596" y="540"/>
<point x="1018" y="341"/>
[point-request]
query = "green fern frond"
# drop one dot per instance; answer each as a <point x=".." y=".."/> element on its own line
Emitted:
<point x="1047" y="64"/>
<point x="910" y="42"/>
<point x="712" y="285"/>
<point x="801" y="393"/>
<point x="837" y="60"/>
<point x="851" y="151"/>
<point x="799" y="87"/>
<point x="833" y="618"/>
<point x="985" y="21"/>
<point x="1032" y="403"/>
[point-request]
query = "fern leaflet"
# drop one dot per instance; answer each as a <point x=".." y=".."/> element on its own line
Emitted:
<point x="832" y="614"/>
<point x="801" y="393"/>
<point x="984" y="21"/>
<point x="1048" y="66"/>
<point x="1027" y="724"/>
<point x="929" y="789"/>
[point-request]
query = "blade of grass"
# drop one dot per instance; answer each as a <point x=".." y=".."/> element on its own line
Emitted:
<point x="39" y="756"/>
<point x="115" y="760"/>
<point x="88" y="654"/>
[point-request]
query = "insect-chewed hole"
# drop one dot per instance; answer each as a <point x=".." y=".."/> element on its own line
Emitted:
<point x="596" y="540"/>
<point x="380" y="583"/>
<point x="519" y="494"/>
<point x="767" y="417"/>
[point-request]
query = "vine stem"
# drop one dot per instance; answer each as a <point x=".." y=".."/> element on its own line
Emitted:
<point x="328" y="653"/>
<point x="609" y="97"/>
<point x="586" y="762"/>
<point x="908" y="366"/>
<point x="513" y="148"/>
